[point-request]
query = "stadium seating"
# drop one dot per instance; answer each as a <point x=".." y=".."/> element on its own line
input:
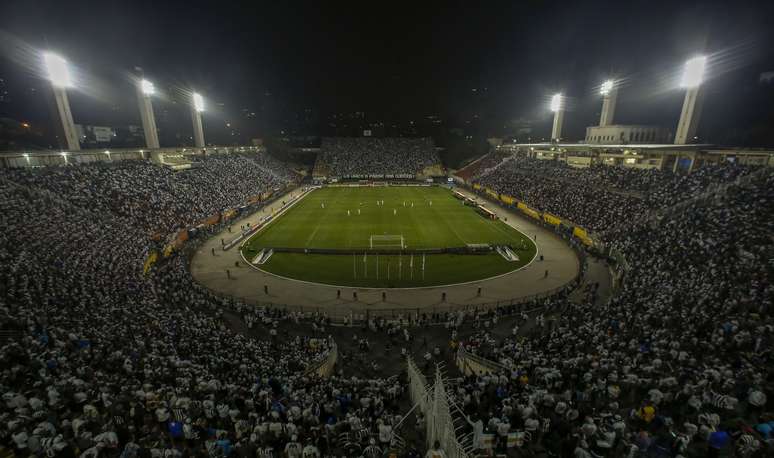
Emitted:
<point x="99" y="359"/>
<point x="372" y="157"/>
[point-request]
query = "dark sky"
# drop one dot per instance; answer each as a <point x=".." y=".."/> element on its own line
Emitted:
<point x="482" y="62"/>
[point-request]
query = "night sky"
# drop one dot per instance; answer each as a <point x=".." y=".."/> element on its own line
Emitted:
<point x="481" y="67"/>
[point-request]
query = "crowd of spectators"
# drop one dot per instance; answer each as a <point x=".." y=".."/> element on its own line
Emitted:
<point x="600" y="197"/>
<point x="157" y="199"/>
<point x="367" y="156"/>
<point x="678" y="363"/>
<point x="110" y="362"/>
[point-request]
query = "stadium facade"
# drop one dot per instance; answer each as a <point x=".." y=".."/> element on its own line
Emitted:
<point x="669" y="157"/>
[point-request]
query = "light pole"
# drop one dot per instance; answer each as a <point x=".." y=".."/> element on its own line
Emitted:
<point x="693" y="74"/>
<point x="609" y="92"/>
<point x="196" y="115"/>
<point x="59" y="75"/>
<point x="557" y="106"/>
<point x="144" y="92"/>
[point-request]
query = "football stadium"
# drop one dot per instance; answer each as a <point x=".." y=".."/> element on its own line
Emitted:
<point x="311" y="231"/>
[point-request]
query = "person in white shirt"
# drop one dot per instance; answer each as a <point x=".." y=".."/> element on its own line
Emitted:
<point x="436" y="451"/>
<point x="478" y="434"/>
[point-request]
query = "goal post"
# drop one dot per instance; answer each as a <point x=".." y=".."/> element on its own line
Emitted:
<point x="387" y="241"/>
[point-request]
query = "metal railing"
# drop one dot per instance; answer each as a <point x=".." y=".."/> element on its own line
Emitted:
<point x="468" y="363"/>
<point x="434" y="403"/>
<point x="324" y="368"/>
<point x="417" y="385"/>
<point x="434" y="315"/>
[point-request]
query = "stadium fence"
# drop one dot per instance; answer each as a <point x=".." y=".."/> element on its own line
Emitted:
<point x="324" y="368"/>
<point x="435" y="315"/>
<point x="434" y="403"/>
<point x="469" y="363"/>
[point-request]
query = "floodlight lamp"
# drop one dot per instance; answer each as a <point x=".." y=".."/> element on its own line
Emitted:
<point x="556" y="102"/>
<point x="198" y="102"/>
<point x="693" y="73"/>
<point x="147" y="87"/>
<point x="606" y="87"/>
<point x="57" y="70"/>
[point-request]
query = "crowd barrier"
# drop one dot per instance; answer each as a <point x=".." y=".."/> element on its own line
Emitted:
<point x="324" y="368"/>
<point x="434" y="315"/>
<point x="433" y="401"/>
<point x="477" y="249"/>
<point x="469" y="363"/>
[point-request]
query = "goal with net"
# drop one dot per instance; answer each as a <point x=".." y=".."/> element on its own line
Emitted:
<point x="387" y="241"/>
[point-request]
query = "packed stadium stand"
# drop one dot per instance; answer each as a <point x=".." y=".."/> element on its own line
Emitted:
<point x="366" y="156"/>
<point x="601" y="197"/>
<point x="680" y="358"/>
<point x="102" y="359"/>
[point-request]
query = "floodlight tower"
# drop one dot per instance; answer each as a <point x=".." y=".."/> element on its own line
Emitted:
<point x="144" y="92"/>
<point x="196" y="115"/>
<point x="609" y="92"/>
<point x="59" y="75"/>
<point x="689" y="118"/>
<point x="557" y="106"/>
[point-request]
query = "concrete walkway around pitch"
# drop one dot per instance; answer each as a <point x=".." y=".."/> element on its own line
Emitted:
<point x="248" y="283"/>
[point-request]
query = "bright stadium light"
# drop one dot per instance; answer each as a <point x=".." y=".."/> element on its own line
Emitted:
<point x="556" y="102"/>
<point x="693" y="72"/>
<point x="198" y="102"/>
<point x="147" y="87"/>
<point x="57" y="70"/>
<point x="606" y="87"/>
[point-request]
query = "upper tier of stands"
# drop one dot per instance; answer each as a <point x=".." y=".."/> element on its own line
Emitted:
<point x="366" y="156"/>
<point x="601" y="198"/>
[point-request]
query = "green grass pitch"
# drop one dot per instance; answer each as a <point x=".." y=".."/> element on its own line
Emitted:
<point x="320" y="220"/>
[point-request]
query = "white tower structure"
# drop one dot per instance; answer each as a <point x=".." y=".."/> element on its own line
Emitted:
<point x="59" y="75"/>
<point x="689" y="118"/>
<point x="557" y="106"/>
<point x="196" y="115"/>
<point x="144" y="92"/>
<point x="609" y="92"/>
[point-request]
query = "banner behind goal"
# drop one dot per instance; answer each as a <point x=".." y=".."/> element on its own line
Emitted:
<point x="387" y="241"/>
